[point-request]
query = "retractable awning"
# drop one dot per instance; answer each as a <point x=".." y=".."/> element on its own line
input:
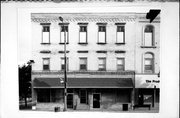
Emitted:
<point x="84" y="83"/>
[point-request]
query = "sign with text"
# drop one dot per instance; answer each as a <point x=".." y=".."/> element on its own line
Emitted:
<point x="147" y="81"/>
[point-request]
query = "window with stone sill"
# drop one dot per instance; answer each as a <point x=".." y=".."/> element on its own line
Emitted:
<point x="45" y="34"/>
<point x="83" y="34"/>
<point x="64" y="35"/>
<point x="120" y="36"/>
<point x="149" y="36"/>
<point x="63" y="63"/>
<point x="46" y="63"/>
<point x="101" y="34"/>
<point x="83" y="64"/>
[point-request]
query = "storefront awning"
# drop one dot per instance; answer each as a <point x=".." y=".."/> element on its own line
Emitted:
<point x="83" y="83"/>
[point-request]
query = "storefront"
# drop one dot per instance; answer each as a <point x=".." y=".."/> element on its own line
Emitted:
<point x="83" y="93"/>
<point x="147" y="90"/>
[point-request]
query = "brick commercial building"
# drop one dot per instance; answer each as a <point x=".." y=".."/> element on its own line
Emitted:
<point x="112" y="59"/>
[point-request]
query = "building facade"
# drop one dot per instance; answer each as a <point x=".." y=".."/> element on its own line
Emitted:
<point x="112" y="59"/>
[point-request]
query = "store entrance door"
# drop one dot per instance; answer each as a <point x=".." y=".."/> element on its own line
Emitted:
<point x="96" y="100"/>
<point x="70" y="100"/>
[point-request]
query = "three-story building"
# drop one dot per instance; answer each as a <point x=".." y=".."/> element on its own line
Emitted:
<point x="110" y="59"/>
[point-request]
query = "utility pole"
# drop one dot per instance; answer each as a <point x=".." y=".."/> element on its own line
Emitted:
<point x="65" y="68"/>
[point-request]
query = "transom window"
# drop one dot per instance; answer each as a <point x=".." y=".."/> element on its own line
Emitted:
<point x="120" y="64"/>
<point x="149" y="63"/>
<point x="46" y="63"/>
<point x="83" y="63"/>
<point x="149" y="35"/>
<point x="102" y="64"/>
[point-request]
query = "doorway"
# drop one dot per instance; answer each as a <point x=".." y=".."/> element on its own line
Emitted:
<point x="70" y="100"/>
<point x="96" y="100"/>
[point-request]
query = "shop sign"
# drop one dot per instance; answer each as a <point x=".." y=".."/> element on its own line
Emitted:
<point x="147" y="81"/>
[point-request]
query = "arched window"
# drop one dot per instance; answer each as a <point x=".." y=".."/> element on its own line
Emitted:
<point x="149" y="62"/>
<point x="149" y="35"/>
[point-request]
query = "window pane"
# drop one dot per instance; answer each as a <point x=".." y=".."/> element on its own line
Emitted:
<point x="45" y="37"/>
<point x="62" y="37"/>
<point x="102" y="28"/>
<point x="148" y="39"/>
<point x="63" y="63"/>
<point x="102" y="64"/>
<point x="45" y="28"/>
<point x="83" y="60"/>
<point x="64" y="28"/>
<point x="102" y="37"/>
<point x="82" y="37"/>
<point x="45" y="61"/>
<point x="120" y="28"/>
<point x="83" y="28"/>
<point x="148" y="62"/>
<point x="120" y="37"/>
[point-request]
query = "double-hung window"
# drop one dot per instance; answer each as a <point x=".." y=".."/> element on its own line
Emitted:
<point x="149" y="63"/>
<point x="63" y="63"/>
<point x="64" y="36"/>
<point x="45" y="33"/>
<point x="82" y="33"/>
<point x="101" y="33"/>
<point x="46" y="64"/>
<point x="102" y="64"/>
<point x="148" y="35"/>
<point x="83" y="64"/>
<point x="120" y="36"/>
<point x="120" y="64"/>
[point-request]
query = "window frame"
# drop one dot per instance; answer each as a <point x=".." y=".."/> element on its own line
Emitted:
<point x="83" y="25"/>
<point x="80" y="64"/>
<point x="152" y="39"/>
<point x="120" y="25"/>
<point x="67" y="63"/>
<point x="105" y="26"/>
<point x="152" y="63"/>
<point x="45" y="25"/>
<point x="45" y="65"/>
<point x="64" y="26"/>
<point x="104" y="60"/>
<point x="123" y="59"/>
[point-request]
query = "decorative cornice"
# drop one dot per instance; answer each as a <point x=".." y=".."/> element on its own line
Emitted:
<point x="82" y="17"/>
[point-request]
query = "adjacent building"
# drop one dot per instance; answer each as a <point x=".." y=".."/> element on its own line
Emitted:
<point x="112" y="59"/>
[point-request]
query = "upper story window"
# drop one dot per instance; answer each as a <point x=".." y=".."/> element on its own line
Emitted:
<point x="120" y="35"/>
<point x="63" y="63"/>
<point x="64" y="35"/>
<point x="148" y="63"/>
<point x="102" y="64"/>
<point x="46" y="63"/>
<point x="45" y="33"/>
<point x="82" y="33"/>
<point x="83" y="63"/>
<point x="149" y="36"/>
<point x="101" y="33"/>
<point x="120" y="64"/>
